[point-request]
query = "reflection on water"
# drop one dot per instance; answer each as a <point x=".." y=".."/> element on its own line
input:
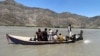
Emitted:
<point x="86" y="41"/>
<point x="88" y="47"/>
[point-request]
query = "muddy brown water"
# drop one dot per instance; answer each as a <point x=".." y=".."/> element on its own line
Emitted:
<point x="90" y="46"/>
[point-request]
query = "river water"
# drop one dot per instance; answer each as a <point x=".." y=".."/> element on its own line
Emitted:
<point x="90" y="46"/>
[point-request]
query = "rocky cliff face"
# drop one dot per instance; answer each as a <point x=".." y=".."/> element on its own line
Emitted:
<point x="12" y="13"/>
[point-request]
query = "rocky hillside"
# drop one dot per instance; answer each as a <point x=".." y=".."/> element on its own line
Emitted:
<point x="95" y="22"/>
<point x="12" y="13"/>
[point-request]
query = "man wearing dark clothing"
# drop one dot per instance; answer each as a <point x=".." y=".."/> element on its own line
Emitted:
<point x="69" y="28"/>
<point x="81" y="35"/>
<point x="56" y="32"/>
<point x="39" y="35"/>
<point x="45" y="35"/>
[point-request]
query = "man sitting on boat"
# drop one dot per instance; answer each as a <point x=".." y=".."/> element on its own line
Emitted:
<point x="50" y="35"/>
<point x="56" y="32"/>
<point x="60" y="37"/>
<point x="54" y="37"/>
<point x="39" y="35"/>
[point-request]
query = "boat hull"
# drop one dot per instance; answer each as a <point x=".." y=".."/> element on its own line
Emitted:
<point x="24" y="42"/>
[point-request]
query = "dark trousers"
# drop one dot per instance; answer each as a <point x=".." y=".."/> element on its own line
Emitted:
<point x="45" y="38"/>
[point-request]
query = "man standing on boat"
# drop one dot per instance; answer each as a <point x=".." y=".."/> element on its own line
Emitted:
<point x="45" y="35"/>
<point x="69" y="30"/>
<point x="50" y="35"/>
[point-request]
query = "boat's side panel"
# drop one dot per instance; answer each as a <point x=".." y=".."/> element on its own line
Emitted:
<point x="18" y="41"/>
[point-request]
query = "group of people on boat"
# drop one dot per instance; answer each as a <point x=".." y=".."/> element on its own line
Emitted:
<point x="74" y="37"/>
<point x="50" y="35"/>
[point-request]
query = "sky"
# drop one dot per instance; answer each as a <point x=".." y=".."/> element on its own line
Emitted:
<point x="88" y="8"/>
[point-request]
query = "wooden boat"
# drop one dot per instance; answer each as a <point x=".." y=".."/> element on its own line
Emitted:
<point x="26" y="40"/>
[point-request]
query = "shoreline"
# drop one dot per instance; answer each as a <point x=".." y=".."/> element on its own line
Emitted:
<point x="47" y="27"/>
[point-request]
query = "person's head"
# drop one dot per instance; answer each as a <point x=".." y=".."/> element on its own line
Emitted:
<point x="69" y="24"/>
<point x="49" y="29"/>
<point x="81" y="30"/>
<point x="45" y="29"/>
<point x="57" y="30"/>
<point x="59" y="33"/>
<point x="39" y="30"/>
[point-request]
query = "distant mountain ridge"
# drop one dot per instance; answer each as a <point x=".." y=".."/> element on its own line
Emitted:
<point x="12" y="13"/>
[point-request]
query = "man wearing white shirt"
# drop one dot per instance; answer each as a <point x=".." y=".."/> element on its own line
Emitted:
<point x="50" y="35"/>
<point x="69" y="30"/>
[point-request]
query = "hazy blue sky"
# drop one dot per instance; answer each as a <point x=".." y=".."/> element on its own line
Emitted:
<point x="82" y="7"/>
